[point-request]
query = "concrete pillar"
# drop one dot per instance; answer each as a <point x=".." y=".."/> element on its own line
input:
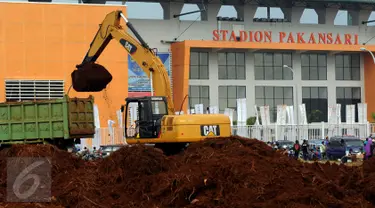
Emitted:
<point x="204" y="14"/>
<point x="211" y="12"/>
<point x="321" y="12"/>
<point x="293" y="14"/>
<point x="246" y="12"/>
<point x="331" y="78"/>
<point x="359" y="16"/>
<point x="354" y="15"/>
<point x="331" y="14"/>
<point x="213" y="78"/>
<point x="250" y="83"/>
<point x="297" y="87"/>
<point x="171" y="8"/>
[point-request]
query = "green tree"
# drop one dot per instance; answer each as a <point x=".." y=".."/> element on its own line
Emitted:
<point x="314" y="116"/>
<point x="373" y="116"/>
<point x="251" y="120"/>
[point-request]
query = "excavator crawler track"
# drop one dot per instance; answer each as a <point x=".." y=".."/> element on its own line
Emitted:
<point x="90" y="77"/>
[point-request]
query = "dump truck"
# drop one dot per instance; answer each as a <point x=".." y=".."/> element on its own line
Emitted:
<point x="61" y="122"/>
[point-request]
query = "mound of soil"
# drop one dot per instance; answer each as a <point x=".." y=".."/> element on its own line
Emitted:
<point x="90" y="77"/>
<point x="229" y="172"/>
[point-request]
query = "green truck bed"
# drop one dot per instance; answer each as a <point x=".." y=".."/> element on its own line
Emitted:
<point x="43" y="120"/>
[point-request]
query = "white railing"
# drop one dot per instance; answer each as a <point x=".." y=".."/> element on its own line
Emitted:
<point x="106" y="136"/>
<point x="301" y="132"/>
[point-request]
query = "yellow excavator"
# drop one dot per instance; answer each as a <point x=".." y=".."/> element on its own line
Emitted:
<point x="157" y="121"/>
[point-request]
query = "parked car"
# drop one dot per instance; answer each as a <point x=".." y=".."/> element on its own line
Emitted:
<point x="335" y="150"/>
<point x="356" y="145"/>
<point x="108" y="149"/>
<point x="338" y="147"/>
<point x="284" y="144"/>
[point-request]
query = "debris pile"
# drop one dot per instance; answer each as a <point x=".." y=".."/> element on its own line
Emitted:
<point x="90" y="77"/>
<point x="230" y="172"/>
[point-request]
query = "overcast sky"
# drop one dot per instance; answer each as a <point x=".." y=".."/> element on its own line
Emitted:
<point x="138" y="10"/>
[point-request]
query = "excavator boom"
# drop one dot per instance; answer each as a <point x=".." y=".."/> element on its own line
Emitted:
<point x="156" y="122"/>
<point x="91" y="77"/>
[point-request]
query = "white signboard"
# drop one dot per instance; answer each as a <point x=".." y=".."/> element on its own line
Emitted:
<point x="199" y="109"/>
<point x="229" y="112"/>
<point x="256" y="115"/>
<point x="213" y="110"/>
<point x="241" y="112"/>
<point x="338" y="113"/>
<point x="96" y="140"/>
<point x="265" y="115"/>
<point x="290" y="115"/>
<point x="350" y="114"/>
<point x="362" y="113"/>
<point x="303" y="118"/>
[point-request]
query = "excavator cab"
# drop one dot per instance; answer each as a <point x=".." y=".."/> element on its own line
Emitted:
<point x="150" y="111"/>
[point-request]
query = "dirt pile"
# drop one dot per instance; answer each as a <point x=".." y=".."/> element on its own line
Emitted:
<point x="224" y="173"/>
<point x="90" y="77"/>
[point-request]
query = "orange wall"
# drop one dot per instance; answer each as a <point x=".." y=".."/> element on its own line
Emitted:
<point x="46" y="41"/>
<point x="369" y="85"/>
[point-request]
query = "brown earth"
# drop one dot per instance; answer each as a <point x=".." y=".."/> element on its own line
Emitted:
<point x="229" y="173"/>
<point x="90" y="77"/>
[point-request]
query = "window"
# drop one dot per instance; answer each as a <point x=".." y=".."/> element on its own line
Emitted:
<point x="198" y="65"/>
<point x="199" y="95"/>
<point x="348" y="96"/>
<point x="314" y="66"/>
<point x="231" y="65"/>
<point x="273" y="96"/>
<point x="316" y="101"/>
<point x="21" y="90"/>
<point x="270" y="66"/>
<point x="159" y="107"/>
<point x="348" y="67"/>
<point x="228" y="96"/>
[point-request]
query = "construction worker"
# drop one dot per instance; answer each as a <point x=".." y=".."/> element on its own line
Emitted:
<point x="94" y="151"/>
<point x="85" y="152"/>
<point x="323" y="151"/>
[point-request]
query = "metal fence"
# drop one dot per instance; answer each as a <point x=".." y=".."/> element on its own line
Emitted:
<point x="108" y="136"/>
<point x="301" y="132"/>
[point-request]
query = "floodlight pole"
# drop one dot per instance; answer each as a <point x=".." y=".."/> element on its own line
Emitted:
<point x="365" y="22"/>
<point x="186" y="13"/>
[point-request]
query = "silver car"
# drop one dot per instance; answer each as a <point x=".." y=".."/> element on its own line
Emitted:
<point x="107" y="150"/>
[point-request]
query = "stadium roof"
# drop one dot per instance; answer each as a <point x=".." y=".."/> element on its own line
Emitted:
<point x="340" y="4"/>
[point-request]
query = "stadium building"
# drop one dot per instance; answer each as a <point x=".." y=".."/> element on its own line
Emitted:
<point x="215" y="59"/>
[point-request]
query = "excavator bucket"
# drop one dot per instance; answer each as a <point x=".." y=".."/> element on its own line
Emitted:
<point x="90" y="77"/>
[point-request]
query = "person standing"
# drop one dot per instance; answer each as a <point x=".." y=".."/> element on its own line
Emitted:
<point x="323" y="151"/>
<point x="296" y="149"/>
<point x="305" y="149"/>
<point x="371" y="147"/>
<point x="326" y="141"/>
<point x="368" y="148"/>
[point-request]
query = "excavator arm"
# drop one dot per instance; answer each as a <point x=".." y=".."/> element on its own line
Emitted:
<point x="85" y="78"/>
